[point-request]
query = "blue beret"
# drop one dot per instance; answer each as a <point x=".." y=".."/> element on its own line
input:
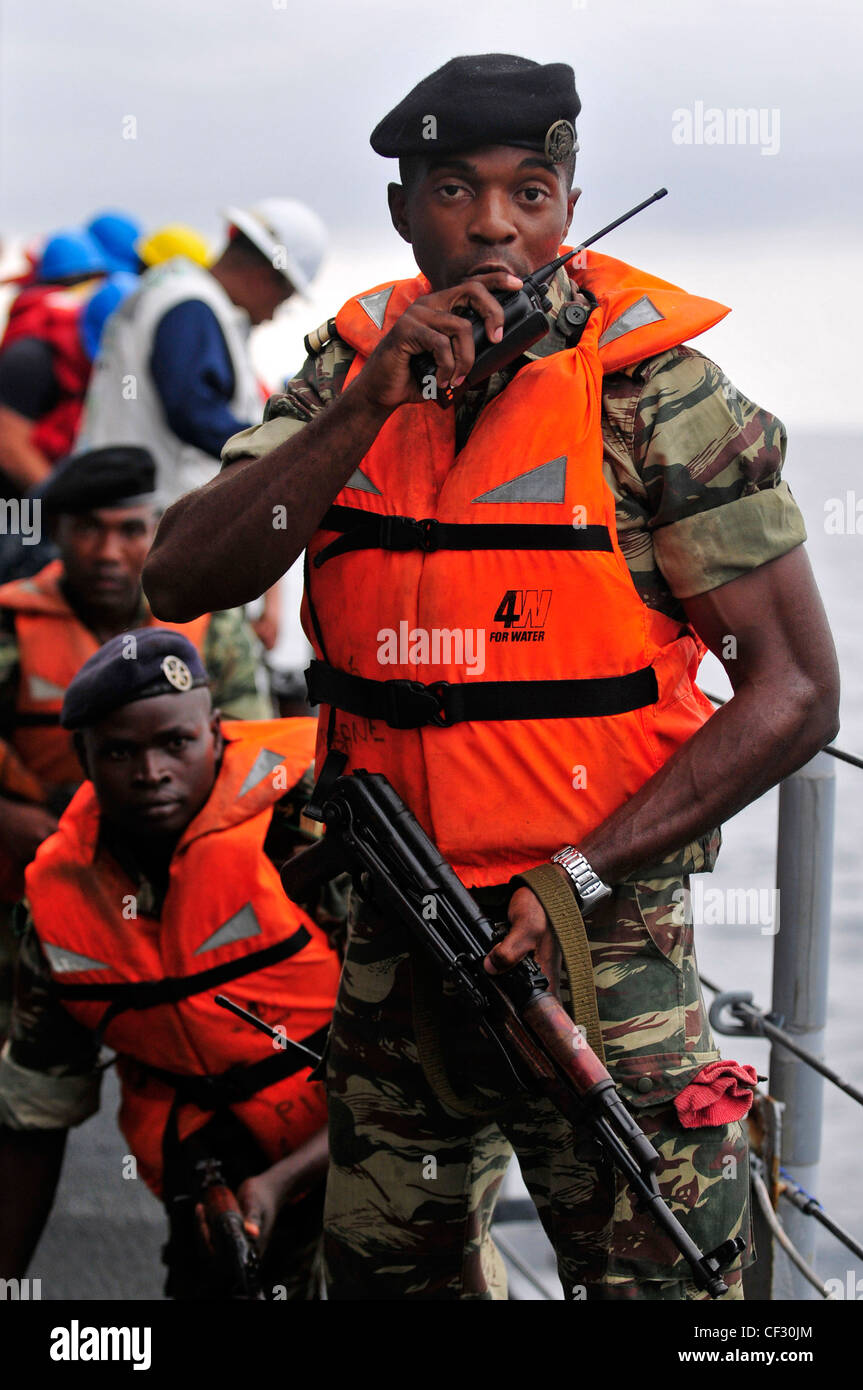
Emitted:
<point x="132" y="666"/>
<point x="116" y="476"/>
<point x="485" y="99"/>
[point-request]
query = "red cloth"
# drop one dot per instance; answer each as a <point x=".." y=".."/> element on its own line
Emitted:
<point x="721" y="1092"/>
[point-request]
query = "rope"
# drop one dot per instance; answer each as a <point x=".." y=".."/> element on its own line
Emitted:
<point x="791" y="1251"/>
<point x="834" y="752"/>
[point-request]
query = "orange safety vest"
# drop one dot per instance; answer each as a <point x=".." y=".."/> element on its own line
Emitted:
<point x="53" y="645"/>
<point x="480" y="605"/>
<point x="147" y="984"/>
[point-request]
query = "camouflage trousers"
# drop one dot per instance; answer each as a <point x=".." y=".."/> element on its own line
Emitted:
<point x="412" y="1183"/>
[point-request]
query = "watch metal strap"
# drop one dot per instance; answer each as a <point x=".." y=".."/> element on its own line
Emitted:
<point x="587" y="885"/>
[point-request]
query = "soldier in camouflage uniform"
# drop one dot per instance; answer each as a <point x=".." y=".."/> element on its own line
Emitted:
<point x="695" y="472"/>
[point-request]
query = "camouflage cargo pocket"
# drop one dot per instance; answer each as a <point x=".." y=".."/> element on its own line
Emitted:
<point x="639" y="990"/>
<point x="703" y="1172"/>
<point x="646" y="973"/>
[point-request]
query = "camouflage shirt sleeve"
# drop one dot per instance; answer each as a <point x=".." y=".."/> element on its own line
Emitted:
<point x="696" y="471"/>
<point x="320" y="380"/>
<point x="231" y="656"/>
<point x="49" y="1067"/>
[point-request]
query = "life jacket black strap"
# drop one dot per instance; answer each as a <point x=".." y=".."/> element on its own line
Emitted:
<point x="239" y="1082"/>
<point x="146" y="994"/>
<point x="23" y="719"/>
<point x="368" y="531"/>
<point x="404" y="704"/>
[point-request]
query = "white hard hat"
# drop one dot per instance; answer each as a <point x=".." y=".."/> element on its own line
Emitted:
<point x="288" y="233"/>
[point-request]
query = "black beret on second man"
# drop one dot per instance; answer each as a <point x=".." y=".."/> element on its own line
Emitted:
<point x="485" y="99"/>
<point x="132" y="666"/>
<point x="116" y="476"/>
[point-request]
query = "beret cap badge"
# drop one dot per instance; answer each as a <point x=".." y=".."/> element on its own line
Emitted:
<point x="176" y="672"/>
<point x="560" y="141"/>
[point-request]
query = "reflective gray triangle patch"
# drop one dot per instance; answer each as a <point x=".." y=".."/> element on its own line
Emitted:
<point x="261" y="768"/>
<point x="359" y="480"/>
<point x="544" y="484"/>
<point x="40" y="689"/>
<point x="65" y="962"/>
<point x="375" y="305"/>
<point x="636" y="316"/>
<point x="242" y="925"/>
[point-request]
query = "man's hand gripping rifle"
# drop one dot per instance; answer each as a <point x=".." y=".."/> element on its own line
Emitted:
<point x="222" y="1229"/>
<point x="371" y="832"/>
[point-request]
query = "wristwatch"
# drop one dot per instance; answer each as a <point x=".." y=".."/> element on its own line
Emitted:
<point x="588" y="887"/>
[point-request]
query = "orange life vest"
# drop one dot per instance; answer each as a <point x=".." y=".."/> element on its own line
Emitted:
<point x="544" y="691"/>
<point x="52" y="314"/>
<point x="149" y="983"/>
<point x="53" y="645"/>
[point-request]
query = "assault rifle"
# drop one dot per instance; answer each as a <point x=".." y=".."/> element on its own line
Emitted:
<point x="371" y="832"/>
<point x="233" y="1250"/>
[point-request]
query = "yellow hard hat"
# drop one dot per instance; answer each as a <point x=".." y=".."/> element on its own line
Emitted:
<point x="173" y="240"/>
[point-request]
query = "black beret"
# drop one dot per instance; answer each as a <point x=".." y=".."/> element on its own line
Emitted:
<point x="485" y="99"/>
<point x="119" y="475"/>
<point x="132" y="666"/>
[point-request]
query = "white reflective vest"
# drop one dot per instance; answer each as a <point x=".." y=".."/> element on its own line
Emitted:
<point x="123" y="405"/>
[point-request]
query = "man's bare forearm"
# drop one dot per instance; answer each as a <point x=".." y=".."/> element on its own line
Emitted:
<point x="748" y="746"/>
<point x="220" y="547"/>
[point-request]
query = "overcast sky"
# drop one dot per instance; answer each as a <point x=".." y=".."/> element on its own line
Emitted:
<point x="237" y="99"/>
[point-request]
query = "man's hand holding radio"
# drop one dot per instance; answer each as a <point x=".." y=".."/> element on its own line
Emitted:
<point x="431" y="324"/>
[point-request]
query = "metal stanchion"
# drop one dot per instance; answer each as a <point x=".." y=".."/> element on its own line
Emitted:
<point x="804" y="870"/>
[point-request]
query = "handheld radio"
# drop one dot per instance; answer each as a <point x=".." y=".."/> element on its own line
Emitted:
<point x="524" y="319"/>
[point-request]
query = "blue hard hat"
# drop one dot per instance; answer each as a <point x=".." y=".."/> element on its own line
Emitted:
<point x="101" y="305"/>
<point x="116" y="233"/>
<point x="68" y="253"/>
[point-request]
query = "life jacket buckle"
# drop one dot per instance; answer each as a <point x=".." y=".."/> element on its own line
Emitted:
<point x="399" y="533"/>
<point x="440" y="690"/>
<point x="410" y="704"/>
<point x="428" y="529"/>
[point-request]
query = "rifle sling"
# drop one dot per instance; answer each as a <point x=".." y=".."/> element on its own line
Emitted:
<point x="567" y="924"/>
<point x="428" y="1042"/>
